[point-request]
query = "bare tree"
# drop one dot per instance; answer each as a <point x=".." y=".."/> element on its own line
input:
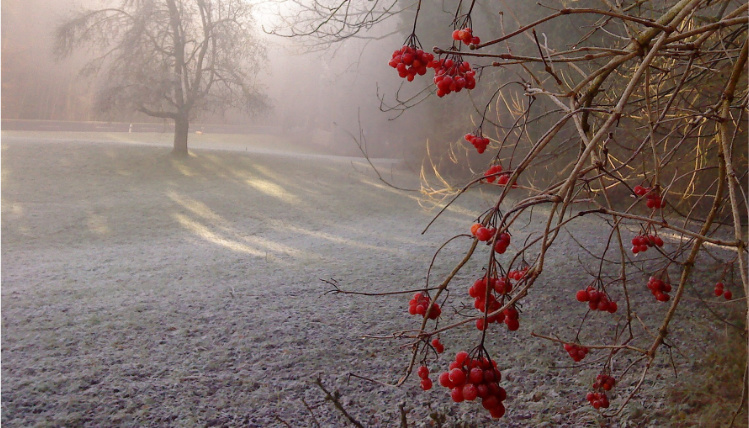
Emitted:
<point x="169" y="58"/>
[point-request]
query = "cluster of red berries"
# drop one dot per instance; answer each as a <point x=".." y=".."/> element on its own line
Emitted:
<point x="597" y="300"/>
<point x="466" y="36"/>
<point x="719" y="291"/>
<point x="410" y="61"/>
<point x="577" y="352"/>
<point x="480" y="143"/>
<point x="426" y="383"/>
<point x="481" y="232"/>
<point x="659" y="288"/>
<point x="453" y="76"/>
<point x="641" y="243"/>
<point x="604" y="381"/>
<point x="420" y="303"/>
<point x="472" y="378"/>
<point x="478" y="292"/>
<point x="491" y="174"/>
<point x="598" y="400"/>
<point x="502" y="286"/>
<point x="511" y="318"/>
<point x="518" y="274"/>
<point x="485" y="234"/>
<point x="438" y="346"/>
<point x="654" y="199"/>
<point x="503" y="241"/>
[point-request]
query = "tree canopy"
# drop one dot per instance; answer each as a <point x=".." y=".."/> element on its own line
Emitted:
<point x="169" y="58"/>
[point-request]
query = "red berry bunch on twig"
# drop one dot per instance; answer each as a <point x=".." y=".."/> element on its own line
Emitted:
<point x="659" y="288"/>
<point x="490" y="304"/>
<point x="653" y="196"/>
<point x="598" y="399"/>
<point x="482" y="233"/>
<point x="604" y="381"/>
<point x="420" y="303"/>
<point x="511" y="318"/>
<point x="453" y="75"/>
<point x="518" y="274"/>
<point x="426" y="383"/>
<point x="641" y="243"/>
<point x="597" y="300"/>
<point x="577" y="352"/>
<point x="472" y="378"/>
<point x="485" y="234"/>
<point x="491" y="173"/>
<point x="438" y="346"/>
<point x="480" y="143"/>
<point x="410" y="61"/>
<point x="719" y="290"/>
<point x="484" y="303"/>
<point x="503" y="241"/>
<point x="466" y="36"/>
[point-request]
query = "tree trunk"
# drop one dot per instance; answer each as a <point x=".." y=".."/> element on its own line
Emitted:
<point x="181" y="126"/>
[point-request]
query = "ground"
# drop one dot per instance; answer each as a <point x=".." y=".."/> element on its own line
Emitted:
<point x="143" y="290"/>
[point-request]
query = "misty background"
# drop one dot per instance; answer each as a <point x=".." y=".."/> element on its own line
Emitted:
<point x="323" y="97"/>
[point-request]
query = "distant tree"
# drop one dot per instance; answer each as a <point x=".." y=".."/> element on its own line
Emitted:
<point x="169" y="58"/>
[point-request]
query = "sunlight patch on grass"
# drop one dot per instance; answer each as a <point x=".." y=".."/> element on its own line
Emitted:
<point x="97" y="223"/>
<point x="255" y="246"/>
<point x="339" y="240"/>
<point x="205" y="233"/>
<point x="272" y="189"/>
<point x="196" y="207"/>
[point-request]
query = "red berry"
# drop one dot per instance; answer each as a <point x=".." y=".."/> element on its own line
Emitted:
<point x="483" y="234"/>
<point x="501" y="394"/>
<point x="490" y="402"/>
<point x="445" y="381"/>
<point x="498" y="411"/>
<point x="475" y="227"/>
<point x="423" y="372"/>
<point x="458" y="377"/>
<point x="476" y="375"/>
<point x="480" y="324"/>
<point x="457" y="394"/>
<point x="728" y="295"/>
<point x="426" y="384"/>
<point x="482" y="390"/>
<point x="470" y="392"/>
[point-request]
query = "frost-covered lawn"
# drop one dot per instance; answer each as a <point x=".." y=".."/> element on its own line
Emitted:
<point x="141" y="290"/>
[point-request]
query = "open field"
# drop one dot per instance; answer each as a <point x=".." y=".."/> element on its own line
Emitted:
<point x="143" y="290"/>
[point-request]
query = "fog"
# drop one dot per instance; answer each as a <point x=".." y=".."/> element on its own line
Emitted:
<point x="327" y="97"/>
